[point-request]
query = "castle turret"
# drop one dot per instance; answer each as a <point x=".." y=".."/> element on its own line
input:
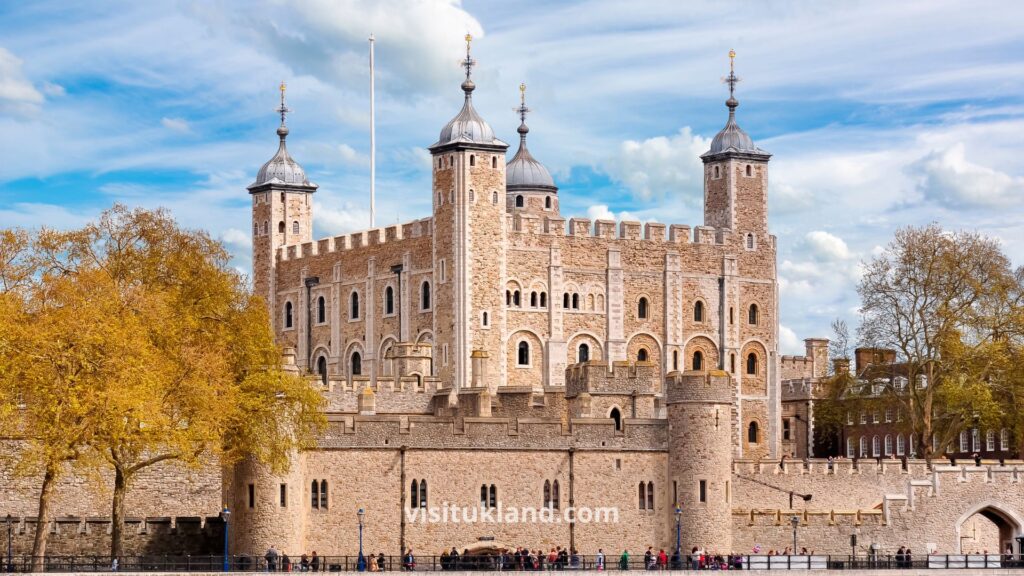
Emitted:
<point x="469" y="240"/>
<point x="282" y="215"/>
<point x="700" y="454"/>
<point x="530" y="188"/>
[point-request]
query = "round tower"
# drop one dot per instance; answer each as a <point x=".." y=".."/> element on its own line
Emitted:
<point x="700" y="453"/>
<point x="267" y="508"/>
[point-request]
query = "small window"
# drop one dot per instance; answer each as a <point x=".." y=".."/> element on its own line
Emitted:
<point x="516" y="298"/>
<point x="444" y="271"/>
<point x="252" y="495"/>
<point x="717" y="172"/>
<point x="389" y="300"/>
<point x="641" y="309"/>
<point x="519" y="201"/>
<point x="284" y="495"/>
<point x="583" y="354"/>
<point x="975" y="440"/>
<point x="750" y="171"/>
<point x="523" y="354"/>
<point x="642" y="496"/>
<point x="543" y="299"/>
<point x="863" y="417"/>
<point x="876" y="447"/>
<point x="732" y="363"/>
<point x="295" y="227"/>
<point x="323" y="494"/>
<point x="414" y="494"/>
<point x="357" y="364"/>
<point x="289" y="321"/>
<point x="752" y="364"/>
<point x="472" y="197"/>
<point x="533" y="299"/>
<point x="565" y="301"/>
<point x="423" y="493"/>
<point x="315" y="492"/>
<point x="494" y="196"/>
<point x="650" y="495"/>
<point x="494" y="164"/>
<point x="752" y="314"/>
<point x="750" y="241"/>
<point x="698" y="311"/>
<point x="321" y="369"/>
<point x="508" y="297"/>
<point x="472" y="161"/>
<point x="321" y="310"/>
<point x="354" y="308"/>
<point x="282" y="197"/>
<point x="786" y="429"/>
<point x="752" y="433"/>
<point x="547" y="494"/>
<point x="494" y="496"/>
<point x="255" y="228"/>
<point x="698" y="360"/>
<point x="1004" y="439"/>
<point x="616" y="417"/>
<point x="732" y="320"/>
<point x="703" y="491"/>
<point x="280" y="227"/>
<point x="964" y="445"/>
<point x="675" y="359"/>
<point x="547" y="202"/>
<point x="888" y="445"/>
<point x="575" y="301"/>
<point x="901" y="445"/>
<point x="863" y="446"/>
<point x="642" y="355"/>
<point x="425" y="296"/>
<point x="485" y="319"/>
<point x="888" y="414"/>
<point x="555" y="496"/>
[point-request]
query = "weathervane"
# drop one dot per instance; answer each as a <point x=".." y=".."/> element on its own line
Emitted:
<point x="522" y="109"/>
<point x="282" y="109"/>
<point x="468" y="63"/>
<point x="732" y="80"/>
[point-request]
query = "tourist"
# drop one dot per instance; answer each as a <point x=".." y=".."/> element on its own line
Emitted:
<point x="563" y="558"/>
<point x="314" y="562"/>
<point x="599" y="560"/>
<point x="695" y="558"/>
<point x="662" y="559"/>
<point x="371" y="563"/>
<point x="286" y="563"/>
<point x="271" y="558"/>
<point x="409" y="561"/>
<point x="303" y="563"/>
<point x="574" y="560"/>
<point x="624" y="560"/>
<point x="977" y="459"/>
<point x="677" y="560"/>
<point x="649" y="559"/>
<point x="381" y="562"/>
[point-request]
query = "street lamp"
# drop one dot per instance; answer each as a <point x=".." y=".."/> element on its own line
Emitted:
<point x="225" y="514"/>
<point x="361" y="562"/>
<point x="795" y="521"/>
<point x="679" y="517"/>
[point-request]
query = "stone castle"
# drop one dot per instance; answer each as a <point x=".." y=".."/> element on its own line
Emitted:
<point x="495" y="356"/>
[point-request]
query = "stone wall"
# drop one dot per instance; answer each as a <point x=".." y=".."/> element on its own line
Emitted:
<point x="76" y="536"/>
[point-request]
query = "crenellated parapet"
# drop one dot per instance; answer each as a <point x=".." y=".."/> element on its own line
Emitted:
<point x="357" y="240"/>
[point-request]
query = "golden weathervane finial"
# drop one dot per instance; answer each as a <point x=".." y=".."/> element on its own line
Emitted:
<point x="469" y="38"/>
<point x="522" y="92"/>
<point x="283" y="86"/>
<point x="732" y="57"/>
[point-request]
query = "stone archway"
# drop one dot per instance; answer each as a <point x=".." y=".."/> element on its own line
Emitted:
<point x="988" y="526"/>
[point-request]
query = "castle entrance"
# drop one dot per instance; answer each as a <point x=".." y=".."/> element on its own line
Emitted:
<point x="989" y="527"/>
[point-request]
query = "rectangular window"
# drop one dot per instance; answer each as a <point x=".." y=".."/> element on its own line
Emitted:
<point x="888" y="414"/>
<point x="675" y="493"/>
<point x="975" y="440"/>
<point x="874" y="416"/>
<point x="703" y="496"/>
<point x="786" y="427"/>
<point x="863" y="417"/>
<point x="849" y="418"/>
<point x="444" y="271"/>
<point x="618" y="463"/>
<point x="284" y="495"/>
<point x="444" y="355"/>
<point x="252" y="495"/>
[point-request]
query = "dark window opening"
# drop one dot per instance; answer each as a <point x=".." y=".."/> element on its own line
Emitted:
<point x="698" y="311"/>
<point x="321" y="369"/>
<point x="698" y="360"/>
<point x="616" y="416"/>
<point x="584" y="353"/>
<point x="524" y="354"/>
<point x="321" y="310"/>
<point x="389" y="300"/>
<point x="284" y="495"/>
<point x="357" y="364"/>
<point x="752" y="433"/>
<point x="703" y="496"/>
<point x="252" y="495"/>
<point x="642" y="355"/>
<point x="752" y="363"/>
<point x="288" y="320"/>
<point x="519" y="201"/>
<point x="354" y="308"/>
<point x="425" y="296"/>
<point x="752" y="314"/>
<point x="641" y="310"/>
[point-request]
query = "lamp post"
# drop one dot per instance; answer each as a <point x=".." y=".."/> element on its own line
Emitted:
<point x="10" y="563"/>
<point x="679" y="517"/>
<point x="225" y="514"/>
<point x="361" y="561"/>
<point x="795" y="521"/>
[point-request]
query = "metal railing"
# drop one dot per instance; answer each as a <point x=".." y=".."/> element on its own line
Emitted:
<point x="509" y="563"/>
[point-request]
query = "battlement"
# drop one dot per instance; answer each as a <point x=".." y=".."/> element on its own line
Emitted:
<point x="357" y="240"/>
<point x="989" y="471"/>
<point x="698" y="386"/>
<point x="624" y="377"/>
<point x="531" y="224"/>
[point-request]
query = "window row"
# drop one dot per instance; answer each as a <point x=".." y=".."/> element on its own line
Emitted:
<point x="645" y="494"/>
<point x="537" y="299"/>
<point x="418" y="494"/>
<point x="747" y="171"/>
<point x="520" y="202"/>
<point x="971" y="441"/>
<point x="874" y="417"/>
<point x="449" y="161"/>
<point x="318" y="491"/>
<point x="354" y="306"/>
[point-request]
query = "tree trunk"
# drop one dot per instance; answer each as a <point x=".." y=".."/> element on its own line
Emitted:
<point x="43" y="520"/>
<point x="117" y="513"/>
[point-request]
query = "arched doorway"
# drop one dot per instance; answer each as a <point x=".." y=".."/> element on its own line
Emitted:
<point x="988" y="526"/>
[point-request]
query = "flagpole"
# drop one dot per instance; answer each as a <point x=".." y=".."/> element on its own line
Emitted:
<point x="373" y="144"/>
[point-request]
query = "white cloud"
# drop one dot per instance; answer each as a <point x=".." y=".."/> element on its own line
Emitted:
<point x="949" y="178"/>
<point x="16" y="91"/>
<point x="179" y="125"/>
<point x="236" y="238"/>
<point x="662" y="166"/>
<point x="600" y="212"/>
<point x="827" y="247"/>
<point x="349" y="156"/>
<point x="789" y="342"/>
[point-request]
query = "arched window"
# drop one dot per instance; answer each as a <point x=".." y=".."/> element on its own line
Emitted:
<point x="675" y="359"/>
<point x="547" y="494"/>
<point x="315" y="491"/>
<point x="901" y="445"/>
<point x="698" y="360"/>
<point x="698" y="311"/>
<point x="616" y="417"/>
<point x="575" y="301"/>
<point x="850" y="449"/>
<point x="1004" y="439"/>
<point x="642" y="355"/>
<point x="280" y="227"/>
<point x="888" y="445"/>
<point x="494" y="195"/>
<point x="508" y="297"/>
<point x="752" y="314"/>
<point x="750" y="241"/>
<point x="732" y="363"/>
<point x="288" y="320"/>
<point x="583" y="354"/>
<point x="282" y="197"/>
<point x="750" y="171"/>
<point x="266" y="227"/>
<point x="255" y="228"/>
<point x="423" y="493"/>
<point x="975" y="440"/>
<point x="472" y="160"/>
<point x="650" y="495"/>
<point x="357" y="364"/>
<point x="752" y="433"/>
<point x="323" y="494"/>
<point x="863" y="446"/>
<point x="642" y="496"/>
<point x="425" y="296"/>
<point x="554" y="495"/>
<point x="533" y="299"/>
<point x="321" y="369"/>
<point x="494" y="496"/>
<point x="519" y="201"/>
<point x="486" y="319"/>
<point x="752" y="363"/>
<point x="483" y="495"/>
<point x="295" y="227"/>
<point x="964" y="446"/>
<point x="565" y="301"/>
<point x="543" y="299"/>
<point x="523" y="355"/>
<point x="321" y="310"/>
<point x="990" y="440"/>
<point x="389" y="300"/>
<point x="876" y="446"/>
<point x="515" y="297"/>
<point x="472" y="197"/>
<point x="414" y="494"/>
<point x="641" y="309"/>
<point x="547" y="202"/>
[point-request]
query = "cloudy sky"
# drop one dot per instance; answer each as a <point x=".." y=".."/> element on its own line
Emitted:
<point x="879" y="114"/>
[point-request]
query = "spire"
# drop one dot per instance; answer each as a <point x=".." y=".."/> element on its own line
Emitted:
<point x="468" y="63"/>
<point x="522" y="110"/>
<point x="732" y="80"/>
<point x="283" y="110"/>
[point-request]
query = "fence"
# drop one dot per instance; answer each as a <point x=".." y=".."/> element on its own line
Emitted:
<point x="509" y="563"/>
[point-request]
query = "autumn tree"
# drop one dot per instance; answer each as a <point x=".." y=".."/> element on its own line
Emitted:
<point x="949" y="304"/>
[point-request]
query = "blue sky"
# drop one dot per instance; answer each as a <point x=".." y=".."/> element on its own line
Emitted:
<point x="879" y="114"/>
